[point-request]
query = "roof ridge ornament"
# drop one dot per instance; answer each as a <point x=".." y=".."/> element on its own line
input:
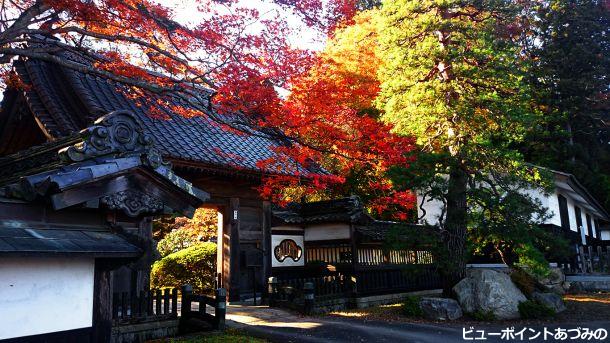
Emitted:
<point x="118" y="133"/>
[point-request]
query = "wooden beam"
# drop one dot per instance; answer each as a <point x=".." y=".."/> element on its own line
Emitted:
<point x="92" y="190"/>
<point x="266" y="239"/>
<point x="102" y="303"/>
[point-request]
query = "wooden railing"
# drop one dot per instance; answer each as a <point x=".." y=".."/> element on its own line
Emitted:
<point x="158" y="305"/>
<point x="146" y="306"/>
<point x="217" y="302"/>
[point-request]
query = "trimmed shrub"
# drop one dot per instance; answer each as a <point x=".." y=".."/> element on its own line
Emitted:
<point x="483" y="316"/>
<point x="176" y="240"/>
<point x="195" y="265"/>
<point x="524" y="281"/>
<point x="535" y="310"/>
<point x="410" y="307"/>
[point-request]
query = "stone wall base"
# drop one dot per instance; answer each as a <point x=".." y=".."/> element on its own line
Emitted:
<point x="588" y="283"/>
<point x="142" y="332"/>
<point x="338" y="304"/>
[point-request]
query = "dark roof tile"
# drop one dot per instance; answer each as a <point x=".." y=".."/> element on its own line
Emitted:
<point x="65" y="101"/>
<point x="64" y="241"/>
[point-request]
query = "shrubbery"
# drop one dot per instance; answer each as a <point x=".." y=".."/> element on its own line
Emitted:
<point x="195" y="265"/>
<point x="534" y="310"/>
<point x="483" y="316"/>
<point x="177" y="233"/>
<point x="524" y="281"/>
<point x="410" y="307"/>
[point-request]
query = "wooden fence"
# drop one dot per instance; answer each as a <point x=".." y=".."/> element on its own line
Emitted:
<point x="292" y="292"/>
<point x="395" y="280"/>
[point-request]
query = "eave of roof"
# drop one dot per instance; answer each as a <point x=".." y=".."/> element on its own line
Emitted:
<point x="64" y="101"/>
<point x="583" y="192"/>
<point x="71" y="241"/>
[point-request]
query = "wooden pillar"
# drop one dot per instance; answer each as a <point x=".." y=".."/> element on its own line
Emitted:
<point x="102" y="303"/>
<point x="220" y="247"/>
<point x="145" y="262"/>
<point x="232" y="258"/>
<point x="266" y="243"/>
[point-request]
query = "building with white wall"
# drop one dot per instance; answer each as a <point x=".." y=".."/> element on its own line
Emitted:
<point x="69" y="215"/>
<point x="571" y="209"/>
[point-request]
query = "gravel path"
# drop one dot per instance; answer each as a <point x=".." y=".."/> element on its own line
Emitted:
<point x="281" y="326"/>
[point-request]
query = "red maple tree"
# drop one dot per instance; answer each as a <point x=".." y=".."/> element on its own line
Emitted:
<point x="233" y="59"/>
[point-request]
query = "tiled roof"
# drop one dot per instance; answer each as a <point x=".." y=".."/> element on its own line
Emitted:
<point x="65" y="101"/>
<point x="113" y="147"/>
<point x="70" y="241"/>
<point x="347" y="210"/>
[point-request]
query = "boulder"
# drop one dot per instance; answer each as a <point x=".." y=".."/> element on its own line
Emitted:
<point x="440" y="308"/>
<point x="551" y="300"/>
<point x="487" y="291"/>
<point x="555" y="281"/>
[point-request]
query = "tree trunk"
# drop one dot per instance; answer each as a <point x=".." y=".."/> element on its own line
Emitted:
<point x="453" y="266"/>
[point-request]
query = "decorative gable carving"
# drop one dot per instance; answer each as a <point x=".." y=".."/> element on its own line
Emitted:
<point x="118" y="133"/>
<point x="133" y="203"/>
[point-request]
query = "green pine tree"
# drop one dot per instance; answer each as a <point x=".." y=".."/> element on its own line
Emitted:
<point x="454" y="76"/>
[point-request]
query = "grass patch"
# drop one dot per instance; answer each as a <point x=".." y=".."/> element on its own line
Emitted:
<point x="230" y="336"/>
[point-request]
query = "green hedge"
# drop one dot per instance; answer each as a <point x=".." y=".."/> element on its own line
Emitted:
<point x="195" y="265"/>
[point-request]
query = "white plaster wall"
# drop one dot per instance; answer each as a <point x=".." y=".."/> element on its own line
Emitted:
<point x="550" y="202"/>
<point x="288" y="262"/>
<point x="324" y="232"/>
<point x="42" y="295"/>
<point x="583" y="215"/>
<point x="433" y="208"/>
